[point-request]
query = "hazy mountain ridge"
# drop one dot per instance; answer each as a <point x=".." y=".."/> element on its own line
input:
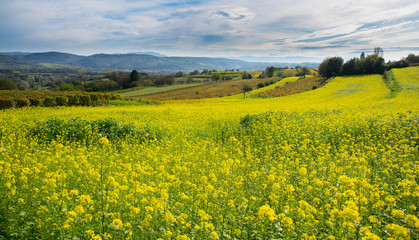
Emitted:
<point x="9" y="62"/>
<point x="140" y="62"/>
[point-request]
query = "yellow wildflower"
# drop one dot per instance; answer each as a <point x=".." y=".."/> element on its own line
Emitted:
<point x="267" y="212"/>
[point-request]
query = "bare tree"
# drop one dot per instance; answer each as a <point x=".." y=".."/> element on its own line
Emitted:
<point x="378" y="51"/>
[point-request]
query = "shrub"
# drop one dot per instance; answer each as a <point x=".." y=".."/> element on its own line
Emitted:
<point x="115" y="97"/>
<point x="105" y="98"/>
<point x="95" y="99"/>
<point x="6" y="103"/>
<point x="74" y="100"/>
<point x="35" y="102"/>
<point x="261" y="85"/>
<point x="112" y="130"/>
<point x="85" y="100"/>
<point x="49" y="102"/>
<point x="22" y="102"/>
<point x="88" y="132"/>
<point x="61" y="101"/>
<point x="59" y="130"/>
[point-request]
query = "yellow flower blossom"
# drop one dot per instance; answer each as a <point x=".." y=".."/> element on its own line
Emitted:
<point x="213" y="235"/>
<point x="266" y="212"/>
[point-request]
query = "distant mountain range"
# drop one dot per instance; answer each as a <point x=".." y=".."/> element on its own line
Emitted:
<point x="128" y="62"/>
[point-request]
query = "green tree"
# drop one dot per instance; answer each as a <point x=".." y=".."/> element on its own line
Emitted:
<point x="67" y="87"/>
<point x="112" y="75"/>
<point x="179" y="74"/>
<point x="6" y="84"/>
<point x="372" y="64"/>
<point x="270" y="71"/>
<point x="246" y="75"/>
<point x="412" y="58"/>
<point x="351" y="67"/>
<point x="195" y="72"/>
<point x="302" y="71"/>
<point x="246" y="88"/>
<point x="216" y="76"/>
<point x="330" y="67"/>
<point x="134" y="76"/>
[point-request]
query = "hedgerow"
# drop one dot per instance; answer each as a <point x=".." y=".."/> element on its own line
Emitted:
<point x="16" y="98"/>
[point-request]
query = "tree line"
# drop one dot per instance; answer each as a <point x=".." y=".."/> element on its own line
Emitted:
<point x="372" y="64"/>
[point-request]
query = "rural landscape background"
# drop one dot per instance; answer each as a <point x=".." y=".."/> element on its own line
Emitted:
<point x="209" y="120"/>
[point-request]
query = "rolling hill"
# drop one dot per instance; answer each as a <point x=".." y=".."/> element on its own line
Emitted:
<point x="8" y="62"/>
<point x="140" y="62"/>
<point x="337" y="162"/>
<point x="53" y="57"/>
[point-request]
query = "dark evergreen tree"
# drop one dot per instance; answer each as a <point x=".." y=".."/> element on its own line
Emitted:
<point x="134" y="76"/>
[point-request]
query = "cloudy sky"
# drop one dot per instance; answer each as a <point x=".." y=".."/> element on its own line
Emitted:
<point x="263" y="29"/>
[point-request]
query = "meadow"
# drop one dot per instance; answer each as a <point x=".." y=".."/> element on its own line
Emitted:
<point x="208" y="90"/>
<point x="153" y="90"/>
<point x="337" y="162"/>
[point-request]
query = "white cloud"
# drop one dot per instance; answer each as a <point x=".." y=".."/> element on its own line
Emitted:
<point x="217" y="28"/>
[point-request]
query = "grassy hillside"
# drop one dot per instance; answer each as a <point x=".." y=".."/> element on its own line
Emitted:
<point x="293" y="87"/>
<point x="255" y="92"/>
<point x="337" y="162"/>
<point x="8" y="62"/>
<point x="209" y="90"/>
<point x="143" y="62"/>
<point x="154" y="90"/>
<point x="408" y="78"/>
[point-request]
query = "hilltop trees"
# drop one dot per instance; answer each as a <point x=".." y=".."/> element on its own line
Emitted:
<point x="371" y="64"/>
<point x="412" y="58"/>
<point x="351" y="67"/>
<point x="331" y="67"/>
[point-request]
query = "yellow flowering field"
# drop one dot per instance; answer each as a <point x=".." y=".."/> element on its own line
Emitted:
<point x="338" y="162"/>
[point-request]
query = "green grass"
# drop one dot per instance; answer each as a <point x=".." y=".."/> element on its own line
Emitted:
<point x="56" y="65"/>
<point x="392" y="84"/>
<point x="152" y="90"/>
<point x="259" y="90"/>
<point x="126" y="103"/>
